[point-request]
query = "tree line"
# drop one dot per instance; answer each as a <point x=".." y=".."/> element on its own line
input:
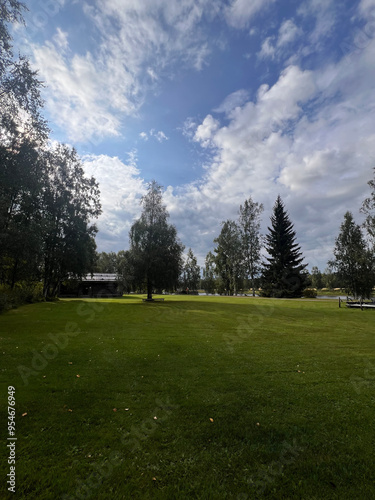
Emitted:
<point x="243" y="258"/>
<point x="46" y="203"/>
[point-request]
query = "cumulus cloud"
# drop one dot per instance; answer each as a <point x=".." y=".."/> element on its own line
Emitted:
<point x="232" y="101"/>
<point x="121" y="188"/>
<point x="136" y="45"/>
<point x="205" y="132"/>
<point x="308" y="137"/>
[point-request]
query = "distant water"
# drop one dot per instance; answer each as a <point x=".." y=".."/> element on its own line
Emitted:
<point x="336" y="297"/>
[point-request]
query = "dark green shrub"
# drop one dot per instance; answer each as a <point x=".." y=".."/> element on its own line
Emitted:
<point x="22" y="293"/>
<point x="310" y="293"/>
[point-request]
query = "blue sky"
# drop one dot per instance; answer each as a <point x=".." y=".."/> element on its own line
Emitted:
<point x="216" y="100"/>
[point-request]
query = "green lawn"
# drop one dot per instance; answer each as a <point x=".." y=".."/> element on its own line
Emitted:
<point x="215" y="398"/>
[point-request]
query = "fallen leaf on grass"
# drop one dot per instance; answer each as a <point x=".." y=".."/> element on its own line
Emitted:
<point x="211" y="419"/>
<point x="70" y="409"/>
<point x="70" y="363"/>
<point x="114" y="409"/>
<point x="78" y="376"/>
<point x="24" y="414"/>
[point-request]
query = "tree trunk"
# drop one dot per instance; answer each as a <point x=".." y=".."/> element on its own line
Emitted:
<point x="149" y="290"/>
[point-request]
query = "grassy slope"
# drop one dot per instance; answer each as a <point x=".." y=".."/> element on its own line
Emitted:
<point x="303" y="370"/>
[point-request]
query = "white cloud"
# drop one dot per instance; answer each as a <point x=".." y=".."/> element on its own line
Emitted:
<point x="75" y="96"/>
<point x="159" y="135"/>
<point x="367" y="7"/>
<point x="205" y="132"/>
<point x="240" y="12"/>
<point x="288" y="32"/>
<point x="137" y="43"/>
<point x="309" y="138"/>
<point x="61" y="39"/>
<point x="324" y="12"/>
<point x="121" y="188"/>
<point x="275" y="48"/>
<point x="232" y="101"/>
<point x="267" y="49"/>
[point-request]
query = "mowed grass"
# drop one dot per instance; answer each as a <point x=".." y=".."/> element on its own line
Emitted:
<point x="193" y="397"/>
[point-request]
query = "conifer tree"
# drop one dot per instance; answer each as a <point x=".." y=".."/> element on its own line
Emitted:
<point x="284" y="273"/>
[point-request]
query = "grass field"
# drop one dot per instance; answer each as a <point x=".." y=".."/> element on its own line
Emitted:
<point x="190" y="398"/>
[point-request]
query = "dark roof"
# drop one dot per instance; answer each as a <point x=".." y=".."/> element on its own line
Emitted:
<point x="100" y="277"/>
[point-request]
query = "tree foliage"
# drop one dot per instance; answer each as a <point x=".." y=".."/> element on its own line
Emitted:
<point x="46" y="202"/>
<point x="70" y="201"/>
<point x="249" y="226"/>
<point x="209" y="270"/>
<point x="191" y="272"/>
<point x="229" y="258"/>
<point x="156" y="251"/>
<point x="368" y="208"/>
<point x="353" y="261"/>
<point x="284" y="272"/>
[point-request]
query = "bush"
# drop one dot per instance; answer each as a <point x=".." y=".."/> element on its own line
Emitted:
<point x="22" y="293"/>
<point x="310" y="293"/>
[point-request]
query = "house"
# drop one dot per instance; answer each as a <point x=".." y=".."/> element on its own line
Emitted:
<point x="93" y="285"/>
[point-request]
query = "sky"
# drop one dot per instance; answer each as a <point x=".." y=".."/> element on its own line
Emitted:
<point x="217" y="100"/>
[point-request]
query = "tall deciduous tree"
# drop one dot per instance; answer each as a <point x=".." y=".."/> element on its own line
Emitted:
<point x="209" y="281"/>
<point x="354" y="262"/>
<point x="368" y="208"/>
<point x="284" y="272"/>
<point x="20" y="99"/>
<point x="316" y="278"/>
<point x="155" y="247"/>
<point x="106" y="262"/>
<point x="249" y="224"/>
<point x="229" y="259"/>
<point x="70" y="202"/>
<point x="22" y="176"/>
<point x="191" y="272"/>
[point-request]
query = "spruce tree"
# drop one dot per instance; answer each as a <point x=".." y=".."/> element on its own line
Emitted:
<point x="284" y="273"/>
